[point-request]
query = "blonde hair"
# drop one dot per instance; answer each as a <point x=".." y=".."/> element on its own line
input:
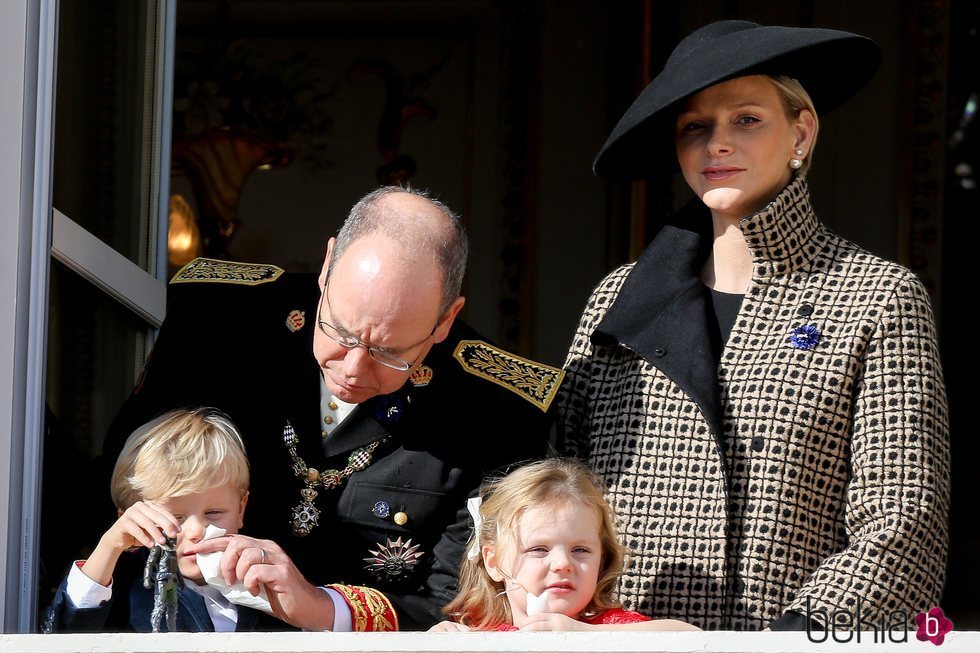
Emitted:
<point x="179" y="453"/>
<point x="795" y="100"/>
<point x="556" y="481"/>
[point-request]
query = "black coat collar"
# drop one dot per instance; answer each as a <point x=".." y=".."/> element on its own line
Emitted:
<point x="662" y="311"/>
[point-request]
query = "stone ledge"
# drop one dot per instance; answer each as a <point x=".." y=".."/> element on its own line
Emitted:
<point x="604" y="642"/>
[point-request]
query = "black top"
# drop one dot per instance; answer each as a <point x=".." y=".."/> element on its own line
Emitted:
<point x="724" y="307"/>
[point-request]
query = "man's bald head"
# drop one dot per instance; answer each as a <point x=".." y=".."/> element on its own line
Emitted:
<point x="422" y="227"/>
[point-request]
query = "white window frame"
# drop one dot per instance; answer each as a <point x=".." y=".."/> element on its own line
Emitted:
<point x="107" y="269"/>
<point x="31" y="234"/>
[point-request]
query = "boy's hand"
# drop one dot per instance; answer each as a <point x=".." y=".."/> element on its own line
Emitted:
<point x="142" y="524"/>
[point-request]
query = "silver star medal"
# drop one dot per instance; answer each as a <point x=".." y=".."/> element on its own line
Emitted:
<point x="393" y="560"/>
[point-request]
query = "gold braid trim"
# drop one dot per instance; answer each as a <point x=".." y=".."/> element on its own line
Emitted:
<point x="535" y="382"/>
<point x="212" y="270"/>
<point x="371" y="611"/>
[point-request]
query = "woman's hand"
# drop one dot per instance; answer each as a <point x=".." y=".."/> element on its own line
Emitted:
<point x="449" y="627"/>
<point x="262" y="563"/>
<point x="144" y="523"/>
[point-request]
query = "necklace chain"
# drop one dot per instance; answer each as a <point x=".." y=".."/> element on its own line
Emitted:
<point x="305" y="514"/>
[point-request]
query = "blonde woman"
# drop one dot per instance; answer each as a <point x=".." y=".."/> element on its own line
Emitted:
<point x="762" y="398"/>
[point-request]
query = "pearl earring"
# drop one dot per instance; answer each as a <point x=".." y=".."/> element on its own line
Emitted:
<point x="797" y="163"/>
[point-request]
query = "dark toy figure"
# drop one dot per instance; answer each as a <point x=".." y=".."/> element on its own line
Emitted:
<point x="161" y="566"/>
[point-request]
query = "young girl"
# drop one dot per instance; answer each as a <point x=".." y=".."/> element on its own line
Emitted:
<point x="544" y="555"/>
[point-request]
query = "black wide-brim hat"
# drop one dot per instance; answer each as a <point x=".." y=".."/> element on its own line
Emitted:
<point x="832" y="65"/>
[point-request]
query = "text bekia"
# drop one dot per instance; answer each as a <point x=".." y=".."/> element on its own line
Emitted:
<point x="843" y="626"/>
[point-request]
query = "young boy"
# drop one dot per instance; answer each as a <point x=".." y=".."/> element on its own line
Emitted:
<point x="174" y="476"/>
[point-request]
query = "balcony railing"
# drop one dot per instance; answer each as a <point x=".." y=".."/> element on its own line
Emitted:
<point x="591" y="642"/>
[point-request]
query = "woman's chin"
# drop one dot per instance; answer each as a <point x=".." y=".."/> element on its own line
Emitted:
<point x="723" y="199"/>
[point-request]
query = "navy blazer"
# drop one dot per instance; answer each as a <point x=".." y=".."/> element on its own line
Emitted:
<point x="131" y="604"/>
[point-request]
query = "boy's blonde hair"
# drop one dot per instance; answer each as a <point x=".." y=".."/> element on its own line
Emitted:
<point x="178" y="453"/>
<point x="553" y="482"/>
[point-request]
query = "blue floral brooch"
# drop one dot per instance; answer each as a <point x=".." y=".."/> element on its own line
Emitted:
<point x="805" y="336"/>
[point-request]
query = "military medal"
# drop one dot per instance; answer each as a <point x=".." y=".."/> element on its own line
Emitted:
<point x="421" y="377"/>
<point x="295" y="320"/>
<point x="306" y="515"/>
<point x="393" y="560"/>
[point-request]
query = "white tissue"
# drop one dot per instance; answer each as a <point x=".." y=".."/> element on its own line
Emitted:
<point x="210" y="565"/>
<point x="537" y="604"/>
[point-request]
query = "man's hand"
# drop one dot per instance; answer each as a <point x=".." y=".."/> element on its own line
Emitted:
<point x="256" y="563"/>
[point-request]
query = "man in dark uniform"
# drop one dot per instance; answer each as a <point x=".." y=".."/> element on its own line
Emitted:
<point x="368" y="412"/>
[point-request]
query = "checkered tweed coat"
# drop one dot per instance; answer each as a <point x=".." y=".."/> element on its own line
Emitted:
<point x="779" y="475"/>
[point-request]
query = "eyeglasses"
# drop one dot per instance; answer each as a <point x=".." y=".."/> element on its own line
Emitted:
<point x="349" y="341"/>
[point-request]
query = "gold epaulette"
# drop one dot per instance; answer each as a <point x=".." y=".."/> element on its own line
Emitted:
<point x="536" y="382"/>
<point x="371" y="611"/>
<point x="215" y="271"/>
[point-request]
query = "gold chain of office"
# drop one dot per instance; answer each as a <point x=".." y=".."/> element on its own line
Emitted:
<point x="306" y="515"/>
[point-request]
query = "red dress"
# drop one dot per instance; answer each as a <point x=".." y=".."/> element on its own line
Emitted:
<point x="613" y="616"/>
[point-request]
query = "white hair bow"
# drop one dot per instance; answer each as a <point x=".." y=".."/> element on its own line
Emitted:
<point x="473" y="505"/>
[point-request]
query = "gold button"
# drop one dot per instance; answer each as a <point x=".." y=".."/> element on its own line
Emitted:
<point x="324" y="434"/>
<point x="328" y="420"/>
<point x="331" y="405"/>
<point x="401" y="518"/>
